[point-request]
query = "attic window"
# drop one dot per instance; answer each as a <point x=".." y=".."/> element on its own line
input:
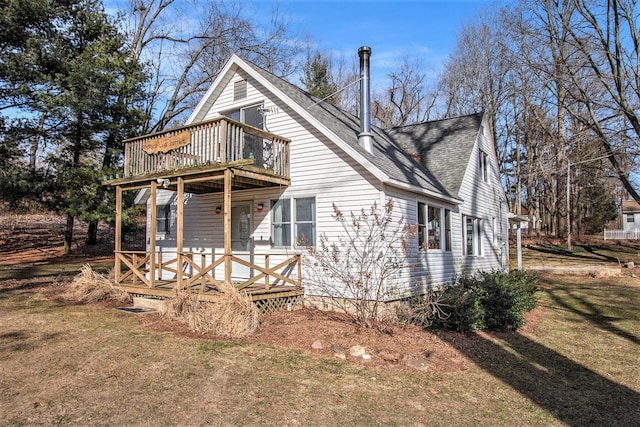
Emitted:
<point x="239" y="90"/>
<point x="484" y="166"/>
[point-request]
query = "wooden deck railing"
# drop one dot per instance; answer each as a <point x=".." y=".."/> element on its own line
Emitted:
<point x="215" y="141"/>
<point x="197" y="271"/>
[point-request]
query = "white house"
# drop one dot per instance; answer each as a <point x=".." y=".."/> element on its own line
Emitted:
<point x="630" y="215"/>
<point x="260" y="163"/>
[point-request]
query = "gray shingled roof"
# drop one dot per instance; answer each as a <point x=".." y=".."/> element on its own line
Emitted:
<point x="389" y="156"/>
<point x="443" y="146"/>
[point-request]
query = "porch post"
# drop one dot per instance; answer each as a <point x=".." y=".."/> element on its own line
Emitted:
<point x="227" y="226"/>
<point x="180" y="230"/>
<point x="519" y="245"/>
<point x="152" y="235"/>
<point x="118" y="243"/>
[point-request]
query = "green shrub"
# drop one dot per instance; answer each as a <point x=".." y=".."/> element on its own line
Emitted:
<point x="488" y="301"/>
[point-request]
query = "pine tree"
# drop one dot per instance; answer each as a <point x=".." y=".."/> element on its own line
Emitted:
<point x="317" y="79"/>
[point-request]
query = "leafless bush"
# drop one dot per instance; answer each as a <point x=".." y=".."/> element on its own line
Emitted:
<point x="90" y="286"/>
<point x="356" y="271"/>
<point x="423" y="310"/>
<point x="234" y="315"/>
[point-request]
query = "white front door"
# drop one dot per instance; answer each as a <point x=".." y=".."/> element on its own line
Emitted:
<point x="241" y="240"/>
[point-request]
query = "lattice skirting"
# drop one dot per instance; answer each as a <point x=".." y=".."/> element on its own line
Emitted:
<point x="279" y="304"/>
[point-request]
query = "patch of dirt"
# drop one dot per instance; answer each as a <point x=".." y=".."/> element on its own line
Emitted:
<point x="406" y="348"/>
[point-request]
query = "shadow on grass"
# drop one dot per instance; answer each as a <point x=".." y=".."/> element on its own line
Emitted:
<point x="577" y="253"/>
<point x="592" y="313"/>
<point x="572" y="393"/>
<point x="50" y="269"/>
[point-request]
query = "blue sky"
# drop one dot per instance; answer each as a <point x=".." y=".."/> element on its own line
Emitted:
<point x="393" y="29"/>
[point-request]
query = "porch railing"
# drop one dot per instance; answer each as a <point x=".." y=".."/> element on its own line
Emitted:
<point x="203" y="271"/>
<point x="212" y="142"/>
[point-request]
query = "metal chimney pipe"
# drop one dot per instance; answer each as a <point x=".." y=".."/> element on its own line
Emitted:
<point x="365" y="137"/>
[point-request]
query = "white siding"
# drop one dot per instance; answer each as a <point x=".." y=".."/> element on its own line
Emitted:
<point x="318" y="169"/>
<point x="429" y="268"/>
<point x="484" y="200"/>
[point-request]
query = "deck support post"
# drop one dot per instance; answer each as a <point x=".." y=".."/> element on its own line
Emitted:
<point x="118" y="243"/>
<point x="266" y="276"/>
<point x="180" y="230"/>
<point x="152" y="235"/>
<point x="227" y="225"/>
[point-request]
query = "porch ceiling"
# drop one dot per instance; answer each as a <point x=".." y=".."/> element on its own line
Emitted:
<point x="206" y="178"/>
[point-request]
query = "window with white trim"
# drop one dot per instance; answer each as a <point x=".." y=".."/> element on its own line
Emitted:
<point x="298" y="213"/>
<point x="447" y="229"/>
<point x="484" y="166"/>
<point x="631" y="217"/>
<point x="431" y="234"/>
<point x="472" y="235"/>
<point x="494" y="230"/>
<point x="281" y="223"/>
<point x="163" y="218"/>
<point x="305" y="221"/>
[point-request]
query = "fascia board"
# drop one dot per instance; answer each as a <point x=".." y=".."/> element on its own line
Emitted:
<point x="420" y="190"/>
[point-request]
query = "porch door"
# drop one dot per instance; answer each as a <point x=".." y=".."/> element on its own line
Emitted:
<point x="253" y="145"/>
<point x="241" y="241"/>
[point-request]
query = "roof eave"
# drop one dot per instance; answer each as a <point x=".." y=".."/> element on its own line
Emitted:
<point x="424" y="191"/>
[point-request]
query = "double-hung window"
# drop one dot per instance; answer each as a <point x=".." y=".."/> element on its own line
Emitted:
<point x="305" y="221"/>
<point x="281" y="222"/>
<point x="163" y="217"/>
<point x="430" y="227"/>
<point x="293" y="222"/>
<point x="472" y="235"/>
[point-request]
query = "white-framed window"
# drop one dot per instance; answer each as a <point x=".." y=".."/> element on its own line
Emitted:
<point x="494" y="231"/>
<point x="297" y="215"/>
<point x="447" y="229"/>
<point x="472" y="235"/>
<point x="281" y="223"/>
<point x="631" y="217"/>
<point x="484" y="166"/>
<point x="305" y="224"/>
<point x="431" y="233"/>
<point x="163" y="218"/>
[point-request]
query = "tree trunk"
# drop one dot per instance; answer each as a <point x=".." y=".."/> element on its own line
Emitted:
<point x="68" y="234"/>
<point x="92" y="233"/>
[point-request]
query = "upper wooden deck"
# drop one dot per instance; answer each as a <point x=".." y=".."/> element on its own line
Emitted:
<point x="205" y="145"/>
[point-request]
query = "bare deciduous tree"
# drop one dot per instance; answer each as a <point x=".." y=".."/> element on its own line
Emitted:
<point x="186" y="44"/>
<point x="407" y="100"/>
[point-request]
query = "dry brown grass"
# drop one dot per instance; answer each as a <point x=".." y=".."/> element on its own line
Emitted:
<point x="233" y="316"/>
<point x="90" y="286"/>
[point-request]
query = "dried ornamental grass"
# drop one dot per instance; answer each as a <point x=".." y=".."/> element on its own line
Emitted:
<point x="90" y="286"/>
<point x="233" y="316"/>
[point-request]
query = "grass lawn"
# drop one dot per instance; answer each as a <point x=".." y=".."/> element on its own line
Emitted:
<point x="576" y="364"/>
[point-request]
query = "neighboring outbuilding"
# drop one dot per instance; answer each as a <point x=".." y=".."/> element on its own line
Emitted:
<point x="260" y="163"/>
<point x="630" y="215"/>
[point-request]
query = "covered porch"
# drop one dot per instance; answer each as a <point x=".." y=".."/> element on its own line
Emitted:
<point x="218" y="156"/>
